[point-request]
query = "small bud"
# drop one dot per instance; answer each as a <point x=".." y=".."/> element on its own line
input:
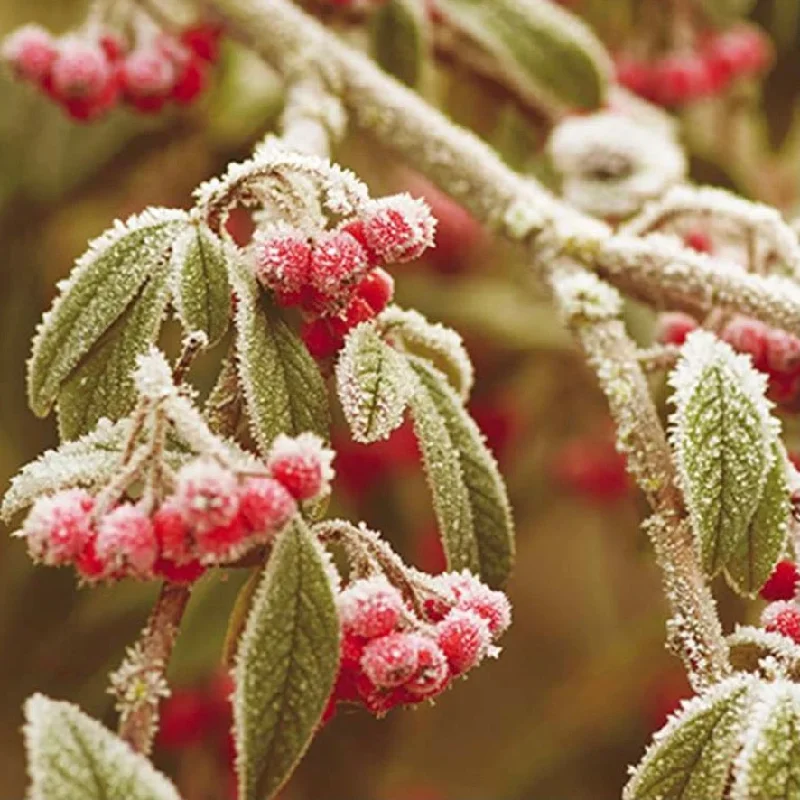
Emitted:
<point x="206" y="495"/>
<point x="392" y="660"/>
<point x="59" y="527"/>
<point x="31" y="52"/>
<point x="399" y="228"/>
<point x="126" y="541"/>
<point x="302" y="464"/>
<point x="265" y="505"/>
<point x="782" y="617"/>
<point x="370" y="607"/>
<point x="433" y="671"/>
<point x="464" y="638"/>
<point x="782" y="584"/>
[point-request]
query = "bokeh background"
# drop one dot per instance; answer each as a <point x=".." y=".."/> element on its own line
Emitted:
<point x="584" y="677"/>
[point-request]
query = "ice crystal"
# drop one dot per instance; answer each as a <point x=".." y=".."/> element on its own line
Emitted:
<point x="139" y="682"/>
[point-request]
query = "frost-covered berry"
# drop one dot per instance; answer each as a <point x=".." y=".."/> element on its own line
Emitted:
<point x="59" y="527"/>
<point x="338" y="263"/>
<point x="302" y="464"/>
<point x="782" y="351"/>
<point x="126" y="541"/>
<point x="471" y="595"/>
<point x="399" y="228"/>
<point x="265" y="505"/>
<point x="224" y="542"/>
<point x="749" y="336"/>
<point x="782" y="617"/>
<point x="370" y="607"/>
<point x="282" y="259"/>
<point x="31" y="52"/>
<point x="206" y="495"/>
<point x="782" y="584"/>
<point x="392" y="660"/>
<point x="81" y="70"/>
<point x="376" y="290"/>
<point x="173" y="535"/>
<point x="674" y="326"/>
<point x="464" y="638"/>
<point x="148" y="77"/>
<point x="433" y="670"/>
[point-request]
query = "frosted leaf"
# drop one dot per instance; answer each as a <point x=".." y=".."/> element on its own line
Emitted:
<point x="286" y="663"/>
<point x="722" y="434"/>
<point x="768" y="766"/>
<point x="73" y="757"/>
<point x="400" y="39"/>
<point x="749" y="647"/>
<point x="116" y="274"/>
<point x="374" y="384"/>
<point x="691" y="756"/>
<point x="584" y="296"/>
<point x="409" y="331"/>
<point x="486" y="496"/>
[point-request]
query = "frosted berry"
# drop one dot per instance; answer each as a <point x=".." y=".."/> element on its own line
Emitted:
<point x="31" y="52"/>
<point x="338" y="262"/>
<point x="370" y="607"/>
<point x="433" y="671"/>
<point x="748" y="336"/>
<point x="464" y="638"/>
<point x="321" y="338"/>
<point x="376" y="290"/>
<point x="206" y="495"/>
<point x="782" y="584"/>
<point x="265" y="505"/>
<point x="399" y="228"/>
<point x="81" y="70"/>
<point x="782" y="617"/>
<point x="302" y="464"/>
<point x="782" y="351"/>
<point x="674" y="326"/>
<point x="282" y="258"/>
<point x="392" y="660"/>
<point x="126" y="541"/>
<point x="224" y="542"/>
<point x="147" y="77"/>
<point x="173" y="535"/>
<point x="59" y="527"/>
<point x="472" y="595"/>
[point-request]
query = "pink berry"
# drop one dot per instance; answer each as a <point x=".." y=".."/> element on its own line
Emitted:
<point x="464" y="638"/>
<point x="282" y="261"/>
<point x="376" y="290"/>
<point x="206" y="495"/>
<point x="748" y="336"/>
<point x="147" y="79"/>
<point x="433" y="671"/>
<point x="59" y="527"/>
<point x="126" y="541"/>
<point x="31" y="52"/>
<point x="265" y="505"/>
<point x="399" y="228"/>
<point x="472" y="595"/>
<point x="782" y="584"/>
<point x="338" y="262"/>
<point x="81" y="70"/>
<point x="782" y="617"/>
<point x="392" y="660"/>
<point x="371" y="607"/>
<point x="674" y="326"/>
<point x="783" y="351"/>
<point x="302" y="464"/>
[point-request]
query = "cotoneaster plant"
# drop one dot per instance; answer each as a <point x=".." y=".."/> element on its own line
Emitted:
<point x="150" y="484"/>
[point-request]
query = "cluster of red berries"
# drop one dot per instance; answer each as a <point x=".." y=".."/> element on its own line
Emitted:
<point x="782" y="615"/>
<point x="212" y="516"/>
<point x="335" y="277"/>
<point x="88" y="76"/>
<point x="390" y="657"/>
<point x="680" y="78"/>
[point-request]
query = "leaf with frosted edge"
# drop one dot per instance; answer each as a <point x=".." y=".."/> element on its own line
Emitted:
<point x="286" y="663"/>
<point x="440" y="458"/>
<point x="544" y="50"/>
<point x="768" y="766"/>
<point x="411" y="332"/>
<point x="399" y="30"/>
<point x="202" y="292"/>
<point x="283" y="388"/>
<point x="104" y="283"/>
<point x="722" y="434"/>
<point x="73" y="757"/>
<point x="374" y="384"/>
<point x="691" y="756"/>
<point x="749" y="646"/>
<point x="761" y="548"/>
<point x="490" y="511"/>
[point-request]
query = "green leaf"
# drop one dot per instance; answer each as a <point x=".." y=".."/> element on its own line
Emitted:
<point x="768" y="767"/>
<point x="286" y="664"/>
<point x="283" y="388"/>
<point x="73" y="757"/>
<point x="546" y="52"/>
<point x="486" y="497"/>
<point x="101" y="385"/>
<point x="203" y="296"/>
<point x="691" y="756"/>
<point x="765" y="541"/>
<point x="400" y="39"/>
<point x="374" y="384"/>
<point x="104" y="284"/>
<point x="722" y="434"/>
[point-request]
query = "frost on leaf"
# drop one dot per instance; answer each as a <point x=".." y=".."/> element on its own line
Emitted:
<point x="691" y="756"/>
<point x="98" y="302"/>
<point x="768" y="766"/>
<point x="412" y="333"/>
<point x="73" y="757"/>
<point x="374" y="384"/>
<point x="286" y="663"/>
<point x="489" y="519"/>
<point x="751" y="648"/>
<point x="722" y="434"/>
<point x="760" y="549"/>
<point x="283" y="389"/>
<point x="202" y="290"/>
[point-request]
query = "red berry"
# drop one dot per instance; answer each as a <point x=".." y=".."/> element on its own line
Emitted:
<point x="392" y="660"/>
<point x="699" y="241"/>
<point x="173" y="535"/>
<point x="203" y="40"/>
<point x="783" y="351"/>
<point x="282" y="261"/>
<point x="635" y="75"/>
<point x="81" y="70"/>
<point x="187" y="572"/>
<point x="147" y="77"/>
<point x="433" y="671"/>
<point x="190" y="82"/>
<point x="376" y="290"/>
<point x="680" y="79"/>
<point x="338" y="262"/>
<point x="265" y="505"/>
<point x="206" y="495"/>
<point x="126" y="541"/>
<point x="321" y="339"/>
<point x="224" y="542"/>
<point x="302" y="464"/>
<point x="113" y="46"/>
<point x="370" y="608"/>
<point x="472" y="595"/>
<point x="782" y="584"/>
<point x="399" y="228"/>
<point x="748" y="336"/>
<point x="31" y="52"/>
<point x="59" y="527"/>
<point x="89" y="565"/>
<point x="674" y="326"/>
<point x="464" y="638"/>
<point x="782" y="617"/>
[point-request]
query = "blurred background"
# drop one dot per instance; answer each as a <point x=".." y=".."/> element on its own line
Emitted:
<point x="584" y="677"/>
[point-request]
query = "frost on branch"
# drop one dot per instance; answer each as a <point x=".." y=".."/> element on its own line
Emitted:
<point x="723" y="436"/>
<point x="584" y="297"/>
<point x="691" y="756"/>
<point x="73" y="757"/>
